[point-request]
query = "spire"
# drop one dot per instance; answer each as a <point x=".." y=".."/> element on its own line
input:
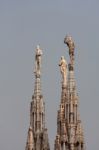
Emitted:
<point x="37" y="110"/>
<point x="37" y="105"/>
<point x="68" y="124"/>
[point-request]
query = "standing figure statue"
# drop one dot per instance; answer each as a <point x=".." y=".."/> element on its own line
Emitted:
<point x="70" y="43"/>
<point x="38" y="60"/>
<point x="30" y="135"/>
<point x="63" y="69"/>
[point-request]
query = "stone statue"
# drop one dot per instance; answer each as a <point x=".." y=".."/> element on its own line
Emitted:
<point x="30" y="135"/>
<point x="70" y="43"/>
<point x="63" y="69"/>
<point x="38" y="60"/>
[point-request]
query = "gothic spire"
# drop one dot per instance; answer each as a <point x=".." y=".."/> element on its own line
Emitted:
<point x="69" y="128"/>
<point x="37" y="110"/>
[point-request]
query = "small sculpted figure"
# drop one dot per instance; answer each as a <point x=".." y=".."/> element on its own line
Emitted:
<point x="38" y="60"/>
<point x="63" y="69"/>
<point x="30" y="136"/>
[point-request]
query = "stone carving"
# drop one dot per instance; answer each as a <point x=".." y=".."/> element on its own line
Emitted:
<point x="63" y="69"/>
<point x="72" y="135"/>
<point x="38" y="60"/>
<point x="58" y="139"/>
<point x="30" y="134"/>
<point x="70" y="43"/>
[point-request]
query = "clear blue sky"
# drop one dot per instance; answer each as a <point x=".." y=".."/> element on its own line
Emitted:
<point x="23" y="25"/>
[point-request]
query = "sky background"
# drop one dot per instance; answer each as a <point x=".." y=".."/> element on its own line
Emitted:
<point x="23" y="25"/>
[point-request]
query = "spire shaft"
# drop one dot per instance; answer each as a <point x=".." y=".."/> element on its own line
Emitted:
<point x="68" y="125"/>
<point x="37" y="110"/>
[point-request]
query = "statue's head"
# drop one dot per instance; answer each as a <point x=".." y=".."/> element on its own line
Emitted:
<point x="38" y="47"/>
<point x="30" y="128"/>
<point x="69" y="41"/>
<point x="62" y="57"/>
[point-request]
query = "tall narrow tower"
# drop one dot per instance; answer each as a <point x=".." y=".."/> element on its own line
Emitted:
<point x="69" y="128"/>
<point x="37" y="138"/>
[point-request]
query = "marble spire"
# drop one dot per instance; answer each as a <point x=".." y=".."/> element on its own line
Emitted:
<point x="37" y="134"/>
<point x="69" y="127"/>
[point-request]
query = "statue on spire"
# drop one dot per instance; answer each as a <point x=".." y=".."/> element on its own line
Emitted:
<point x="70" y="43"/>
<point x="63" y="69"/>
<point x="38" y="60"/>
<point x="30" y="141"/>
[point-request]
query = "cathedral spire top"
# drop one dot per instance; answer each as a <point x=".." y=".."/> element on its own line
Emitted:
<point x="37" y="134"/>
<point x="37" y="72"/>
<point x="69" y="129"/>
